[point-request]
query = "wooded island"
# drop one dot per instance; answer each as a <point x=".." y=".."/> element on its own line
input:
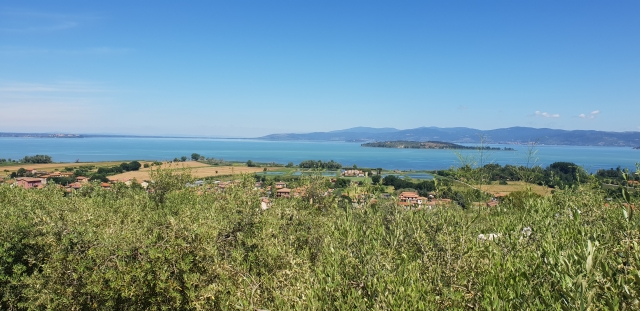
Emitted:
<point x="427" y="145"/>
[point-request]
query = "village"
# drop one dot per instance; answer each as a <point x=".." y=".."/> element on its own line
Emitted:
<point x="348" y="186"/>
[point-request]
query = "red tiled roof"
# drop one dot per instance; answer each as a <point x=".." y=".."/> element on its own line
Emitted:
<point x="29" y="179"/>
<point x="409" y="194"/>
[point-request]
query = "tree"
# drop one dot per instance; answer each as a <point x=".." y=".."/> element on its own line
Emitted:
<point x="21" y="172"/>
<point x="164" y="181"/>
<point x="560" y="174"/>
<point x="342" y="183"/>
<point x="250" y="163"/>
<point x="331" y="165"/>
<point x="39" y="158"/>
<point x="99" y="177"/>
<point x="376" y="179"/>
<point x="134" y="165"/>
<point x="183" y="158"/>
<point x="195" y="157"/>
<point x="290" y="164"/>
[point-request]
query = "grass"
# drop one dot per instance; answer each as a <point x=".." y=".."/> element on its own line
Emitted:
<point x="363" y="179"/>
<point x="497" y="189"/>
<point x="513" y="186"/>
<point x="197" y="169"/>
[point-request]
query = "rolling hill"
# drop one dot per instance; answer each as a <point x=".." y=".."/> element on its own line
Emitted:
<point x="512" y="135"/>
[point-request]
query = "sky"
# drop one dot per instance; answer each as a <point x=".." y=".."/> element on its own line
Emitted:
<point x="252" y="68"/>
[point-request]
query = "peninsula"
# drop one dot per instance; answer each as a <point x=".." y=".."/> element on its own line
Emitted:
<point x="401" y="144"/>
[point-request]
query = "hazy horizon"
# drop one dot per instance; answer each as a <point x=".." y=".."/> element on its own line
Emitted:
<point x="249" y="69"/>
<point x="169" y="135"/>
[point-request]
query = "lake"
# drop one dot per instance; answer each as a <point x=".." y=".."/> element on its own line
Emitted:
<point x="116" y="149"/>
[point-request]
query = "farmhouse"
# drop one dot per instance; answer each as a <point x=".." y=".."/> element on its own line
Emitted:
<point x="265" y="203"/>
<point x="31" y="170"/>
<point x="352" y="173"/>
<point x="283" y="193"/>
<point x="29" y="182"/>
<point x="409" y="198"/>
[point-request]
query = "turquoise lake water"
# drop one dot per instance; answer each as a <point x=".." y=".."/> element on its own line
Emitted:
<point x="115" y="149"/>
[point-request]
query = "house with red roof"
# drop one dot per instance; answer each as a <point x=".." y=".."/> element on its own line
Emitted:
<point x="29" y="182"/>
<point x="283" y="193"/>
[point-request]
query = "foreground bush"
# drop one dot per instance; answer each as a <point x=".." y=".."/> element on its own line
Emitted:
<point x="127" y="250"/>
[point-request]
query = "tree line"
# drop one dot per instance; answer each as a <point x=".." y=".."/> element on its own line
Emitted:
<point x="557" y="174"/>
<point x="331" y="165"/>
<point x="36" y="159"/>
<point x="423" y="187"/>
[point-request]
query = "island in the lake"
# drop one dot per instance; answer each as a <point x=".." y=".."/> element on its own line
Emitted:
<point x="637" y="147"/>
<point x="401" y="144"/>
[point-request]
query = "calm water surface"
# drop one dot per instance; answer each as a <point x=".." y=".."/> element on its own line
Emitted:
<point x="115" y="149"/>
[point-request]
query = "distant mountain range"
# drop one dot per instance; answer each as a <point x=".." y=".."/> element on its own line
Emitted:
<point x="512" y="135"/>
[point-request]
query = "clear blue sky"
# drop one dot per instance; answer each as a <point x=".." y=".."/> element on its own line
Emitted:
<point x="248" y="68"/>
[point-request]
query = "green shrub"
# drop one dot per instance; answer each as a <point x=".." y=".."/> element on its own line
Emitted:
<point x="176" y="248"/>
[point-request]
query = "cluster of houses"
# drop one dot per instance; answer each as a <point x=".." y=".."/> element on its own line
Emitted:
<point x="407" y="199"/>
<point x="80" y="181"/>
<point x="353" y="173"/>
<point x="38" y="180"/>
<point x="412" y="199"/>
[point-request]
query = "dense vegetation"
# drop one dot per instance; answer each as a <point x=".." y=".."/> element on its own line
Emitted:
<point x="181" y="248"/>
<point x="102" y="172"/>
<point x="39" y="158"/>
<point x="331" y="165"/>
<point x="427" y="145"/>
<point x="423" y="187"/>
<point x="556" y="175"/>
<point x="36" y="159"/>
